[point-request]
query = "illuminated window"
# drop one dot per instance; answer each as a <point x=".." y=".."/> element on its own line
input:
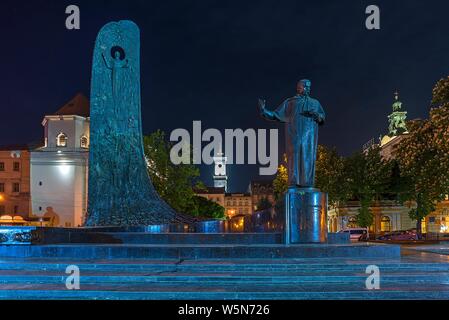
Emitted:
<point x="385" y="224"/>
<point x="84" y="142"/>
<point x="61" y="140"/>
<point x="16" y="166"/>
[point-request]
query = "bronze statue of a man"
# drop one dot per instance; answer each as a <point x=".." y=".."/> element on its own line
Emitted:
<point x="301" y="115"/>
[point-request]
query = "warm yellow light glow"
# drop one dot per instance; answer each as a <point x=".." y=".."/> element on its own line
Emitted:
<point x="2" y="197"/>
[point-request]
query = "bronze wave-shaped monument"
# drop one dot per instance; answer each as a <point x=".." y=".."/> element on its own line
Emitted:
<point x="120" y="190"/>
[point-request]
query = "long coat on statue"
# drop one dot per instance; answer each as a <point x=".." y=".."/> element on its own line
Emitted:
<point x="301" y="115"/>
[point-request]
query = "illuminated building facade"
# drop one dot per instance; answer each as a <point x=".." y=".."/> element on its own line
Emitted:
<point x="14" y="182"/>
<point x="59" y="168"/>
<point x="238" y="204"/>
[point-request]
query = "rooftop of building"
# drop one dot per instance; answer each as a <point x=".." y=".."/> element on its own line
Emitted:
<point x="237" y="194"/>
<point x="78" y="106"/>
<point x="210" y="190"/>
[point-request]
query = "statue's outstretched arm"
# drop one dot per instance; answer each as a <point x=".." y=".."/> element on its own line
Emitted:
<point x="271" y="115"/>
<point x="106" y="62"/>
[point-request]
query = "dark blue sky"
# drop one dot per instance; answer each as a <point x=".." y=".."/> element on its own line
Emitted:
<point x="210" y="60"/>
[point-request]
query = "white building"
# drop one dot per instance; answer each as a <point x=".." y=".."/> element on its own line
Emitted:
<point x="59" y="169"/>
<point x="220" y="177"/>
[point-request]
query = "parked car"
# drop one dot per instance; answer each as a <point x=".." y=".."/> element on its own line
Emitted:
<point x="356" y="234"/>
<point x="399" y="235"/>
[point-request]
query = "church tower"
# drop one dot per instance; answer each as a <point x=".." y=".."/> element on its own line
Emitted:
<point x="220" y="177"/>
<point x="397" y="118"/>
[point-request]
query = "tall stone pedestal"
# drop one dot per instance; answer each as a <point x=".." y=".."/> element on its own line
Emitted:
<point x="306" y="216"/>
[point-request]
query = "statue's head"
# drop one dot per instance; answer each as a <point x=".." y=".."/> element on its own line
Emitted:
<point x="118" y="52"/>
<point x="303" y="87"/>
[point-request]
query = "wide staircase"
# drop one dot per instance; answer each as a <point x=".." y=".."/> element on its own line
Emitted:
<point x="322" y="278"/>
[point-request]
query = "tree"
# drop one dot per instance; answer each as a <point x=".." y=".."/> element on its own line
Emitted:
<point x="280" y="183"/>
<point x="378" y="173"/>
<point x="365" y="217"/>
<point x="174" y="183"/>
<point x="263" y="204"/>
<point x="424" y="157"/>
<point x="330" y="175"/>
<point x="207" y="209"/>
<point x="368" y="178"/>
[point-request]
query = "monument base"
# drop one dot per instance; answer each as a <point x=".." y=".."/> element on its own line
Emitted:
<point x="306" y="216"/>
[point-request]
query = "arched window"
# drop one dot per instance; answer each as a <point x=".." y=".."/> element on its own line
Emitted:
<point x="385" y="224"/>
<point x="352" y="222"/>
<point x="84" y="143"/>
<point x="61" y="140"/>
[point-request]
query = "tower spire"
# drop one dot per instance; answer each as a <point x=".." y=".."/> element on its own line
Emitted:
<point x="397" y="118"/>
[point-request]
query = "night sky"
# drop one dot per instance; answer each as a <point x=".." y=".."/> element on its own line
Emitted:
<point x="211" y="60"/>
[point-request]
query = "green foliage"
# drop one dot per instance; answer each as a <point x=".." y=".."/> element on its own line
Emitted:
<point x="440" y="92"/>
<point x="263" y="204"/>
<point x="174" y="183"/>
<point x="367" y="174"/>
<point x="363" y="176"/>
<point x="330" y="175"/>
<point x="207" y="209"/>
<point x="280" y="183"/>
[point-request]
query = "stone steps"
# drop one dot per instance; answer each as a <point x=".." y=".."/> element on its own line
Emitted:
<point x="268" y="271"/>
<point x="219" y="266"/>
<point x="195" y="295"/>
<point x="209" y="251"/>
<point x="223" y="279"/>
<point x="228" y="279"/>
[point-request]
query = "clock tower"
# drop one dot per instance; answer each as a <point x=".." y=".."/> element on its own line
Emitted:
<point x="220" y="177"/>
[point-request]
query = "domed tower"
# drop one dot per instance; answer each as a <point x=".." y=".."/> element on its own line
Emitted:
<point x="397" y="118"/>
